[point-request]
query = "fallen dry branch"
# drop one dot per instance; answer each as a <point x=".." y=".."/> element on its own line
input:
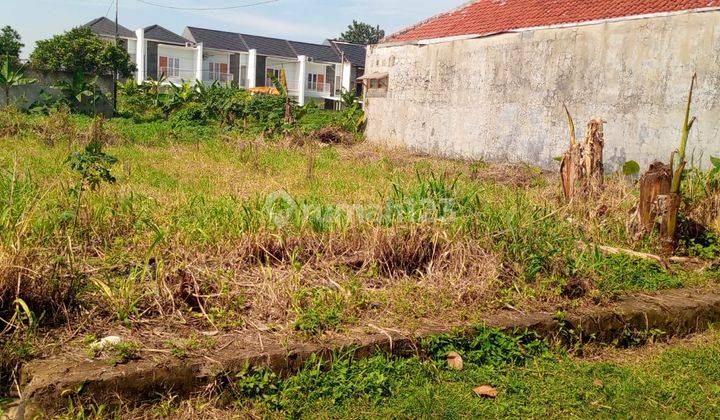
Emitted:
<point x="689" y="262"/>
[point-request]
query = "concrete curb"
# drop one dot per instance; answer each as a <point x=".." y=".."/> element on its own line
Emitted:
<point x="49" y="382"/>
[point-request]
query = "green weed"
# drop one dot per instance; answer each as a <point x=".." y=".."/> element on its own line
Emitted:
<point x="322" y="309"/>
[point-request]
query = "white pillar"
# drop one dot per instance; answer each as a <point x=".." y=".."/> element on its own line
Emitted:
<point x="346" y="72"/>
<point x="302" y="79"/>
<point x="140" y="55"/>
<point x="199" y="63"/>
<point x="252" y="69"/>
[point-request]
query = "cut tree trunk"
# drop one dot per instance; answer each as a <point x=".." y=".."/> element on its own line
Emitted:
<point x="571" y="171"/>
<point x="653" y="183"/>
<point x="593" y="155"/>
<point x="581" y="167"/>
<point x="571" y="167"/>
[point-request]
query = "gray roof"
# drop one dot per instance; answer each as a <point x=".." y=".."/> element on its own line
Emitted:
<point x="330" y="52"/>
<point x="105" y="27"/>
<point x="269" y="46"/>
<point x="315" y="51"/>
<point x="158" y="33"/>
<point x="219" y="40"/>
<point x="354" y="53"/>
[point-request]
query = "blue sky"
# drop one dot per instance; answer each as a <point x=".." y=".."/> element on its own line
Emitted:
<point x="302" y="20"/>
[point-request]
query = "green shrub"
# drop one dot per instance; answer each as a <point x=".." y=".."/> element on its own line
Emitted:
<point x="315" y="119"/>
<point x="487" y="346"/>
<point x="191" y="114"/>
<point x="189" y="105"/>
<point x="141" y="102"/>
<point x="266" y="113"/>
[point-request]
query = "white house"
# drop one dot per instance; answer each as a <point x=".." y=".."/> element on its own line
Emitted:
<point x="313" y="71"/>
<point x="159" y="53"/>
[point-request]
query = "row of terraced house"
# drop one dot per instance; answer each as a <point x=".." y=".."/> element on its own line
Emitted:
<point x="319" y="72"/>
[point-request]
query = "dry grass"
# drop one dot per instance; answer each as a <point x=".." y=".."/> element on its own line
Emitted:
<point x="256" y="281"/>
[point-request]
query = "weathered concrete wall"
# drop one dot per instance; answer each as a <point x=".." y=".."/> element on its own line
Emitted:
<point x="25" y="96"/>
<point x="500" y="98"/>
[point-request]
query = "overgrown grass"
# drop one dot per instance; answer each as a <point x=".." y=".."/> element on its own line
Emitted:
<point x="680" y="383"/>
<point x="208" y="228"/>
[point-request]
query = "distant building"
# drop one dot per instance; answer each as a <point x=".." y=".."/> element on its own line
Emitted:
<point x="313" y="71"/>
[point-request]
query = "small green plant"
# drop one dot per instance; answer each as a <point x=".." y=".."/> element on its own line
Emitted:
<point x="631" y="168"/>
<point x="94" y="166"/>
<point x="487" y="346"/>
<point x="225" y="318"/>
<point x="634" y="338"/>
<point x="319" y="310"/>
<point x="184" y="347"/>
<point x="252" y="382"/>
<point x="323" y="309"/>
<point x="123" y="352"/>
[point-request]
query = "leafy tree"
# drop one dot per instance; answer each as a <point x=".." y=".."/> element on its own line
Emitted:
<point x="10" y="44"/>
<point x="80" y="50"/>
<point x="362" y="33"/>
<point x="10" y="77"/>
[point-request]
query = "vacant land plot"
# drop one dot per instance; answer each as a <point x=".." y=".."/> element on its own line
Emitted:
<point x="206" y="235"/>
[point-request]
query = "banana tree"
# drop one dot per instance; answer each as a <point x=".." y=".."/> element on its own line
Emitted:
<point x="661" y="192"/>
<point x="581" y="167"/>
<point x="280" y="84"/>
<point x="670" y="203"/>
<point x="77" y="89"/>
<point x="10" y="77"/>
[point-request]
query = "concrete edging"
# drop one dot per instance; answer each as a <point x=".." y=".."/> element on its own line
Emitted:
<point x="47" y="383"/>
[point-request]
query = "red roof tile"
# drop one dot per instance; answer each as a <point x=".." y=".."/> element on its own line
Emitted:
<point x="484" y="17"/>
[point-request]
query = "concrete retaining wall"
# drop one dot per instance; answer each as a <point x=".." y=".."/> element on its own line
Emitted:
<point x="500" y="98"/>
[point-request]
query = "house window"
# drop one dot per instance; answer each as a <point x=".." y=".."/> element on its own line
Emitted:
<point x="312" y="81"/>
<point x="214" y="71"/>
<point x="243" y="76"/>
<point x="377" y="85"/>
<point x="169" y="66"/>
<point x="219" y="71"/>
<point x="273" y="72"/>
<point x="316" y="82"/>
